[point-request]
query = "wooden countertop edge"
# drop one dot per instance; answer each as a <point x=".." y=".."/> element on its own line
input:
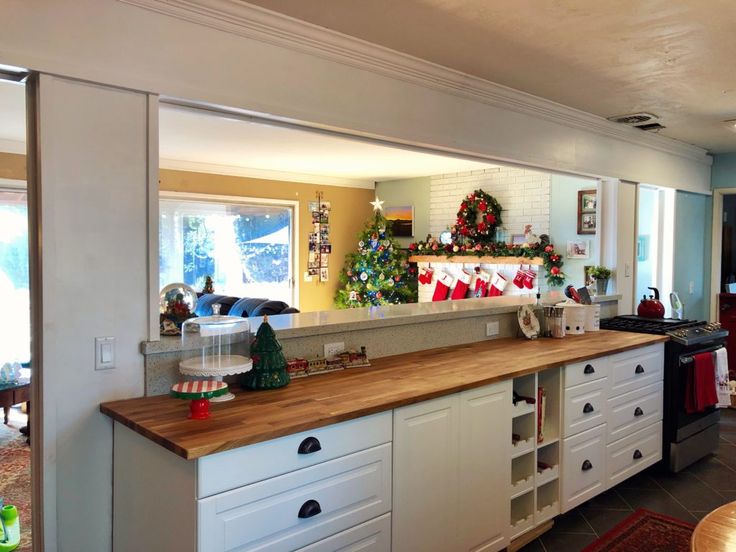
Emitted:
<point x="191" y="453"/>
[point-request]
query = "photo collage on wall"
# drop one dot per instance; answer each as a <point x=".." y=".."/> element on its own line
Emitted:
<point x="320" y="247"/>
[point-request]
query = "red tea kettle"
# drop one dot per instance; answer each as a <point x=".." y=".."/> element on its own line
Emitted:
<point x="651" y="307"/>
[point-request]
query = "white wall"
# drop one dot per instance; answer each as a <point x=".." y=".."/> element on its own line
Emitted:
<point x="250" y="60"/>
<point x="93" y="200"/>
<point x="523" y="194"/>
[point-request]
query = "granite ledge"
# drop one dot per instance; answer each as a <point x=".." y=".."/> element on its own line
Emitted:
<point x="309" y="324"/>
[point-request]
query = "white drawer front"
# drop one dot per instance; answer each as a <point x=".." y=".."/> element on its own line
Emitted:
<point x="235" y="468"/>
<point x="635" y="369"/>
<point x="583" y="467"/>
<point x="372" y="536"/>
<point x="585" y="407"/>
<point x="265" y="515"/>
<point x="630" y="412"/>
<point x="588" y="370"/>
<point x="632" y="454"/>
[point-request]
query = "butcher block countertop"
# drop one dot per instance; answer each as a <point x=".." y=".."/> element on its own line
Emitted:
<point x="316" y="401"/>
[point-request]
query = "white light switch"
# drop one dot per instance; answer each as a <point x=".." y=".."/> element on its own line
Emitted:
<point x="104" y="353"/>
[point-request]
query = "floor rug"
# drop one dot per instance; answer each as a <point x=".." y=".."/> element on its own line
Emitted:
<point x="15" y="477"/>
<point x="645" y="531"/>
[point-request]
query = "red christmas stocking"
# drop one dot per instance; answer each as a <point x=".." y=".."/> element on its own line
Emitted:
<point x="529" y="276"/>
<point x="444" y="282"/>
<point x="481" y="284"/>
<point x="519" y="278"/>
<point x="425" y="275"/>
<point x="461" y="286"/>
<point x="498" y="283"/>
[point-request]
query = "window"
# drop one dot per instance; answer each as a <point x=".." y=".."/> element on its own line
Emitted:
<point x="15" y="338"/>
<point x="247" y="247"/>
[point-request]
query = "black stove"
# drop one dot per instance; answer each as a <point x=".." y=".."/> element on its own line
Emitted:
<point x="686" y="437"/>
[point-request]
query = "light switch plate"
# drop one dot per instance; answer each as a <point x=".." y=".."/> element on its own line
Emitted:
<point x="332" y="349"/>
<point x="492" y="328"/>
<point x="104" y="353"/>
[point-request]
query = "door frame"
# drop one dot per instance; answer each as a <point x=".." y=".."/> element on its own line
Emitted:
<point x="292" y="204"/>
<point x="716" y="246"/>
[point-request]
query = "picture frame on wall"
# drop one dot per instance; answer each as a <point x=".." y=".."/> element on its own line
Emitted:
<point x="401" y="219"/>
<point x="578" y="249"/>
<point x="587" y="205"/>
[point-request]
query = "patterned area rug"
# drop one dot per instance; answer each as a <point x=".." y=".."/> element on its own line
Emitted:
<point x="15" y="475"/>
<point x="645" y="531"/>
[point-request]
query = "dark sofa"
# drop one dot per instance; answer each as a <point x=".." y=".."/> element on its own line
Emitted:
<point x="241" y="306"/>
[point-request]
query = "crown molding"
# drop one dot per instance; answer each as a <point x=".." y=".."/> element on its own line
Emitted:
<point x="253" y="22"/>
<point x="265" y="174"/>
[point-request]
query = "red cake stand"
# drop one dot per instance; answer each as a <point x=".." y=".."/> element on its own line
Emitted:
<point x="200" y="393"/>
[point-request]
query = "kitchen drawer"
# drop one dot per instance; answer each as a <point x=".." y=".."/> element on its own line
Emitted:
<point x="635" y="369"/>
<point x="632" y="454"/>
<point x="371" y="536"/>
<point x="588" y="370"/>
<point x="631" y="412"/>
<point x="583" y="467"/>
<point x="585" y="407"/>
<point x="235" y="468"/>
<point x="330" y="497"/>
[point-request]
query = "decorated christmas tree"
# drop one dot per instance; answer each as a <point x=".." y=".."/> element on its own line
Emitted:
<point x="269" y="363"/>
<point x="378" y="273"/>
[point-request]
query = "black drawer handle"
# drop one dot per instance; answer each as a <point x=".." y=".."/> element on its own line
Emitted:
<point x="637" y="454"/>
<point x="309" y="509"/>
<point x="638" y="412"/>
<point x="639" y="369"/>
<point x="587" y="465"/>
<point x="588" y="369"/>
<point x="588" y="408"/>
<point x="309" y="445"/>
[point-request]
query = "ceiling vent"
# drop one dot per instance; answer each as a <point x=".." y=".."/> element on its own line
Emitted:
<point x="650" y="126"/>
<point x="634" y="119"/>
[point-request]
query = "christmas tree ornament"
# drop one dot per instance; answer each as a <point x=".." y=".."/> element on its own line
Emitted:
<point x="269" y="364"/>
<point x="381" y="276"/>
<point x="363" y="276"/>
<point x="498" y="284"/>
<point x="442" y="287"/>
<point x="461" y="286"/>
<point x="390" y="283"/>
<point x="377" y="204"/>
<point x="361" y="244"/>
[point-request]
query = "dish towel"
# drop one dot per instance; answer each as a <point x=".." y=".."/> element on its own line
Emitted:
<point x="700" y="389"/>
<point x="722" y="390"/>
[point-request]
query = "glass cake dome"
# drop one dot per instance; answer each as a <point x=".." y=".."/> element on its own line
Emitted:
<point x="215" y="346"/>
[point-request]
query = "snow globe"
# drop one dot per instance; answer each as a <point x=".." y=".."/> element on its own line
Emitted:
<point x="216" y="346"/>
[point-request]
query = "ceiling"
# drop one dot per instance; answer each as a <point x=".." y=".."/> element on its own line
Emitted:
<point x="674" y="59"/>
<point x="224" y="144"/>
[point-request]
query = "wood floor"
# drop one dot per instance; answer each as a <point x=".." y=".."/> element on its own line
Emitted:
<point x="688" y="496"/>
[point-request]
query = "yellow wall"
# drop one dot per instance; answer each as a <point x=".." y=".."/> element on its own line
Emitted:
<point x="12" y="166"/>
<point x="350" y="210"/>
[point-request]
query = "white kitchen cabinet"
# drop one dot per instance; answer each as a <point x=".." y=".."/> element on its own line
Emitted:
<point x="371" y="536"/>
<point x="450" y="462"/>
<point x="584" y="467"/>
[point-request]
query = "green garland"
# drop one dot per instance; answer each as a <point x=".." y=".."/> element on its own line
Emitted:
<point x="551" y="259"/>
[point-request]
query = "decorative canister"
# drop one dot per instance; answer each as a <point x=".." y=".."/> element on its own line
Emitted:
<point x="554" y="322"/>
<point x="592" y="318"/>
<point x="574" y="318"/>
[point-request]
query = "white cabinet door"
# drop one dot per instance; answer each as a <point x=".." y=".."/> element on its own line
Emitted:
<point x="425" y="476"/>
<point x="485" y="469"/>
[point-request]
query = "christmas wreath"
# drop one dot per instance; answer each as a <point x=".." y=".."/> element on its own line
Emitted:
<point x="477" y="219"/>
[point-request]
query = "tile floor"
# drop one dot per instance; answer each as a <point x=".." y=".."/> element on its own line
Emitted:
<point x="688" y="496"/>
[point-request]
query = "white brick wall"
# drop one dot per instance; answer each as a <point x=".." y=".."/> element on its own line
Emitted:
<point x="523" y="194"/>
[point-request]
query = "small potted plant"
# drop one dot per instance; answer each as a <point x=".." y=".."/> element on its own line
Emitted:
<point x="601" y="275"/>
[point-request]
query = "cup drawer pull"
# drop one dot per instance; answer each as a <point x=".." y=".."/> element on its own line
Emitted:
<point x="637" y="454"/>
<point x="587" y="466"/>
<point x="309" y="509"/>
<point x="639" y="369"/>
<point x="588" y="408"/>
<point x="309" y="445"/>
<point x="638" y="412"/>
<point x="588" y="369"/>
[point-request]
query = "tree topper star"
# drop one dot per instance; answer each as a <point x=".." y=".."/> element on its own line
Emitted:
<point x="377" y="204"/>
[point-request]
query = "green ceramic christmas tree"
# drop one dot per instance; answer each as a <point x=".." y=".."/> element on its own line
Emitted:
<point x="269" y="363"/>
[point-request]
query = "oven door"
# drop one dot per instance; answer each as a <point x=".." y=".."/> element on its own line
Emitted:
<point x="686" y="425"/>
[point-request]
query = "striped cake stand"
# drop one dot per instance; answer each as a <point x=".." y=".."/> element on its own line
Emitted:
<point x="200" y="393"/>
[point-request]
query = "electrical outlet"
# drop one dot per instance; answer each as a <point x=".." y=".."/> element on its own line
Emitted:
<point x="492" y="328"/>
<point x="333" y="349"/>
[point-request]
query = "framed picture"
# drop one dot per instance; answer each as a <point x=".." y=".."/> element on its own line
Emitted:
<point x="587" y="203"/>
<point x="578" y="249"/>
<point x="518" y="239"/>
<point x="401" y="218"/>
<point x="588" y="278"/>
